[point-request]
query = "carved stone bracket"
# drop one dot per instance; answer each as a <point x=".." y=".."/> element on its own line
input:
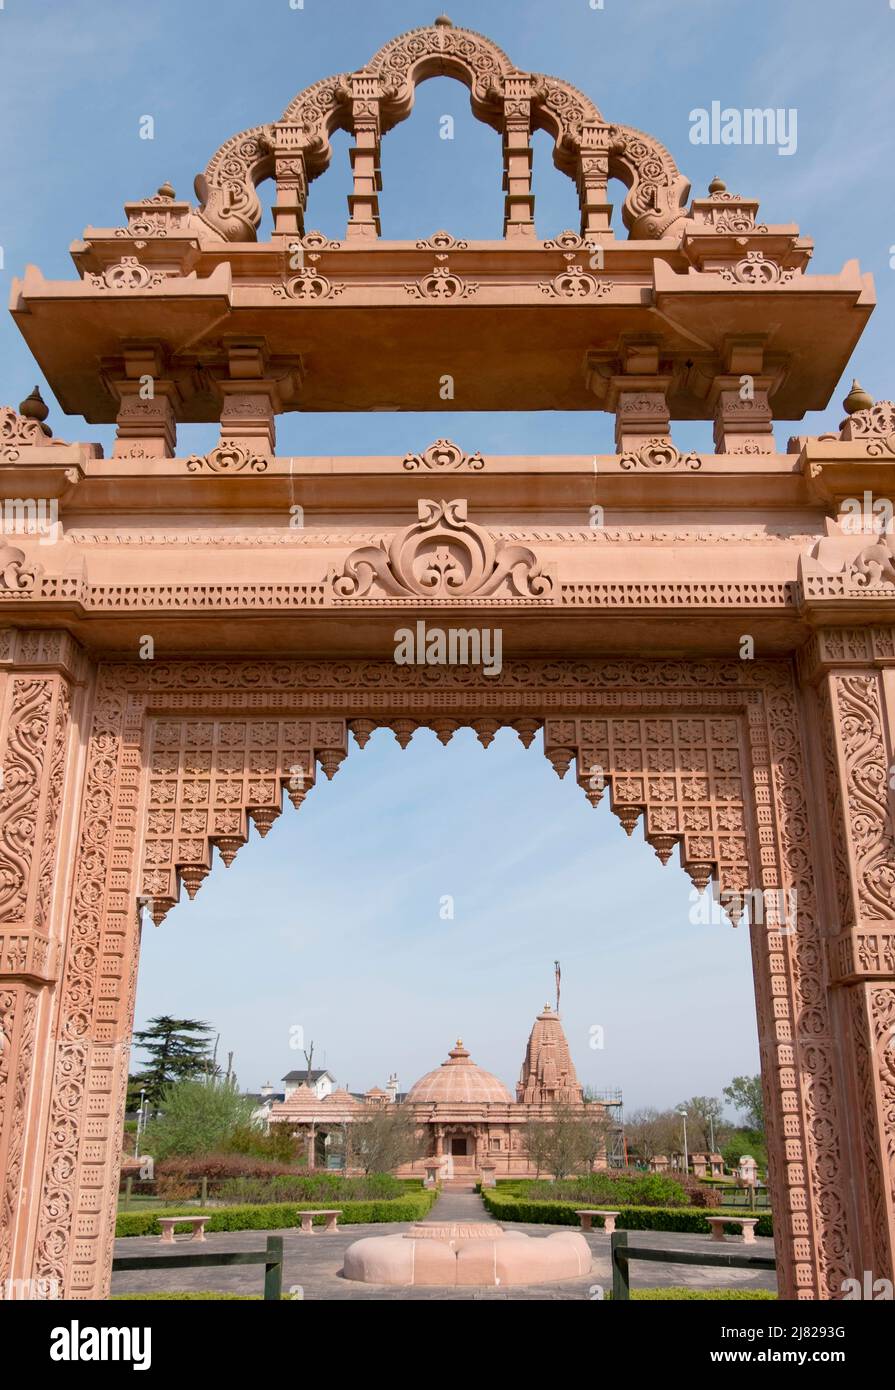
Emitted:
<point x="18" y="579"/>
<point x="18" y="432"/>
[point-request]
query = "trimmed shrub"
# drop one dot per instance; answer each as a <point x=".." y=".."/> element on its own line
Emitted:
<point x="280" y="1216"/>
<point x="312" y="1187"/>
<point x="676" y="1293"/>
<point x="618" y="1188"/>
<point x="223" y="1165"/>
<point x="517" y="1207"/>
<point x="610" y="1189"/>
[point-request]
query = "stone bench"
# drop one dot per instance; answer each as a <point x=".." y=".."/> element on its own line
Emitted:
<point x="332" y="1221"/>
<point x="168" y="1223"/>
<point x="587" y="1220"/>
<point x="748" y="1224"/>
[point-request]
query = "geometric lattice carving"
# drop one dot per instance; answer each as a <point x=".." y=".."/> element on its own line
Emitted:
<point x="209" y="777"/>
<point x="683" y="773"/>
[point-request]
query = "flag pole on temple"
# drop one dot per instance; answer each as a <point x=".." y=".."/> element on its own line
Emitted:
<point x="558" y="975"/>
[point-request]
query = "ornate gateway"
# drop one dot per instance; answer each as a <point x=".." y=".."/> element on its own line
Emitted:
<point x="703" y="634"/>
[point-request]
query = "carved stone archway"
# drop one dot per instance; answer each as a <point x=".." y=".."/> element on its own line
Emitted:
<point x="370" y="102"/>
<point x="186" y="641"/>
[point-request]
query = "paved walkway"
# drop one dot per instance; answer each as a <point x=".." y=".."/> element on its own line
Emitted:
<point x="314" y="1263"/>
<point x="455" y="1205"/>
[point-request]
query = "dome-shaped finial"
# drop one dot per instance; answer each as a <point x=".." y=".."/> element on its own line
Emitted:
<point x="166" y="191"/>
<point x="34" y="407"/>
<point x="857" y="399"/>
<point x="443" y="22"/>
<point x="717" y="186"/>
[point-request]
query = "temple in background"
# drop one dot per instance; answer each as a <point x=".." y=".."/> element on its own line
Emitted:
<point x="469" y="1120"/>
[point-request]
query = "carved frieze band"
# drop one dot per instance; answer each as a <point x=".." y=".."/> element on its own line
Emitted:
<point x="579" y="593"/>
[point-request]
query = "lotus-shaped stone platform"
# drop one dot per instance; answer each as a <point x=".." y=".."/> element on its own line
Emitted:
<point x="467" y="1252"/>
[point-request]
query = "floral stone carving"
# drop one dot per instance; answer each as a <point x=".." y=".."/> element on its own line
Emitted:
<point x="444" y="457"/>
<point x="442" y="556"/>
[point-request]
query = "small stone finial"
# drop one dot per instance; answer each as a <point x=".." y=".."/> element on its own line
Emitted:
<point x="166" y="191"/>
<point x="717" y="186"/>
<point x="857" y="399"/>
<point x="443" y="22"/>
<point x="34" y="407"/>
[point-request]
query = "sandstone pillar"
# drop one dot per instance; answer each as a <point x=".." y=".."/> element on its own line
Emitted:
<point x="854" y="673"/>
<point x="519" y="204"/>
<point x="43" y="679"/>
<point x="147" y="411"/>
<point x="363" y="201"/>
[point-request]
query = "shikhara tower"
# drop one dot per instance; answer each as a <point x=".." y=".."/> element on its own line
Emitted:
<point x="622" y="593"/>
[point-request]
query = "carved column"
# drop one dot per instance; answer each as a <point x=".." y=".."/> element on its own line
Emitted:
<point x="518" y="220"/>
<point x="252" y="396"/>
<point x="592" y="179"/>
<point x="363" y="202"/>
<point x="638" y="397"/>
<point x="854" y="671"/>
<point x="741" y="400"/>
<point x="292" y="181"/>
<point x="40" y="703"/>
<point x="148" y="403"/>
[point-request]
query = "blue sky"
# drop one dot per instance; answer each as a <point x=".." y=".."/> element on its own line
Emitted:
<point x="333" y="923"/>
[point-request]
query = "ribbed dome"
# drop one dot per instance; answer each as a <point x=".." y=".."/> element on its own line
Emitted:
<point x="459" y="1079"/>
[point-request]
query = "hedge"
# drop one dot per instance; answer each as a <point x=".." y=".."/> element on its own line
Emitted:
<point x="279" y="1216"/>
<point x="675" y="1295"/>
<point x="512" y="1207"/>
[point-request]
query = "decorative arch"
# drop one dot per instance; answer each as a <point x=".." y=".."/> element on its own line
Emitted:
<point x="372" y="101"/>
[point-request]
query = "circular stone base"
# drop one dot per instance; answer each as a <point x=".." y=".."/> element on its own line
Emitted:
<point x="461" y="1252"/>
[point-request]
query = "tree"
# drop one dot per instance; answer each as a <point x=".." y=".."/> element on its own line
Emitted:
<point x="567" y="1140"/>
<point x="744" y="1094"/>
<point x="177" y="1049"/>
<point x="536" y="1144"/>
<point x="650" y="1132"/>
<point x="197" y="1116"/>
<point x="705" y="1122"/>
<point x="745" y="1141"/>
<point x="384" y="1139"/>
<point x="596" y="1132"/>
